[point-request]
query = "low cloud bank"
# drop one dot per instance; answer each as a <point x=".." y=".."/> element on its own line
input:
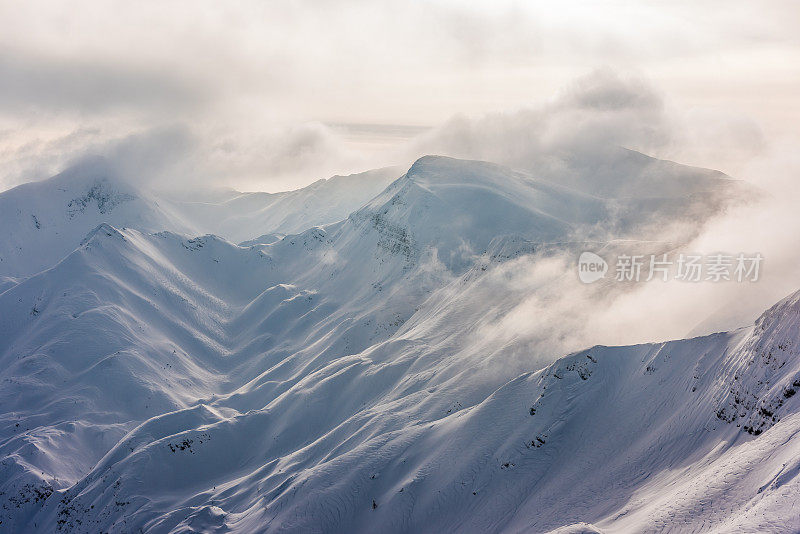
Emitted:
<point x="577" y="129"/>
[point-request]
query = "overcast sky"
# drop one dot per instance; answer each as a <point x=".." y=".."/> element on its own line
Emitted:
<point x="271" y="95"/>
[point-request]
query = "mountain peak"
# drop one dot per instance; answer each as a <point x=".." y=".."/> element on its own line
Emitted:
<point x="103" y="229"/>
<point x="433" y="169"/>
<point x="459" y="206"/>
<point x="785" y="311"/>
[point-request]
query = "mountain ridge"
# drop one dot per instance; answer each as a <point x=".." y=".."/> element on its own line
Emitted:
<point x="341" y="379"/>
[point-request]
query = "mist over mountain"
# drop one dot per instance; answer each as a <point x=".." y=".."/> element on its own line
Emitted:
<point x="399" y="267"/>
<point x="366" y="358"/>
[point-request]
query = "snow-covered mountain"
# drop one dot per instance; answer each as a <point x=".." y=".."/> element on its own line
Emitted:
<point x="340" y="379"/>
<point x="41" y="222"/>
<point x="234" y="215"/>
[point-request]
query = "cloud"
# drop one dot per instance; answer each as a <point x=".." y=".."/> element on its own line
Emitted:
<point x="185" y="95"/>
<point x="563" y="136"/>
<point x="596" y="112"/>
<point x="36" y="155"/>
<point x="239" y="75"/>
<point x="180" y="156"/>
<point x="147" y="157"/>
<point x="605" y="90"/>
<point x="605" y="109"/>
<point x="282" y="156"/>
<point x="558" y="314"/>
<point x="48" y="84"/>
<point x="301" y="147"/>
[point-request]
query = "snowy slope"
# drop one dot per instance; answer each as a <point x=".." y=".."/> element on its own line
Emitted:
<point x="234" y="215"/>
<point x="464" y="208"/>
<point x="41" y="222"/>
<point x="341" y="380"/>
<point x="691" y="434"/>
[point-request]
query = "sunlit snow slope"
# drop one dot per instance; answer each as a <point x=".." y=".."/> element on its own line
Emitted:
<point x="338" y="380"/>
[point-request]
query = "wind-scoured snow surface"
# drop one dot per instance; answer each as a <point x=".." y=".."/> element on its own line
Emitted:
<point x="335" y="379"/>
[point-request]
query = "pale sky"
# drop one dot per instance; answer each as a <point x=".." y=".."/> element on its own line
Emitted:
<point x="278" y="94"/>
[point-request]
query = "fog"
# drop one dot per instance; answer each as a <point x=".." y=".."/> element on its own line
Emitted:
<point x="257" y="86"/>
<point x="268" y="96"/>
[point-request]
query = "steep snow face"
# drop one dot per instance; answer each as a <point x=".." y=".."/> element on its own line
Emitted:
<point x="337" y="380"/>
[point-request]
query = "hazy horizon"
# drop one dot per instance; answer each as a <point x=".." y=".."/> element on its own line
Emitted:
<point x="261" y="92"/>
